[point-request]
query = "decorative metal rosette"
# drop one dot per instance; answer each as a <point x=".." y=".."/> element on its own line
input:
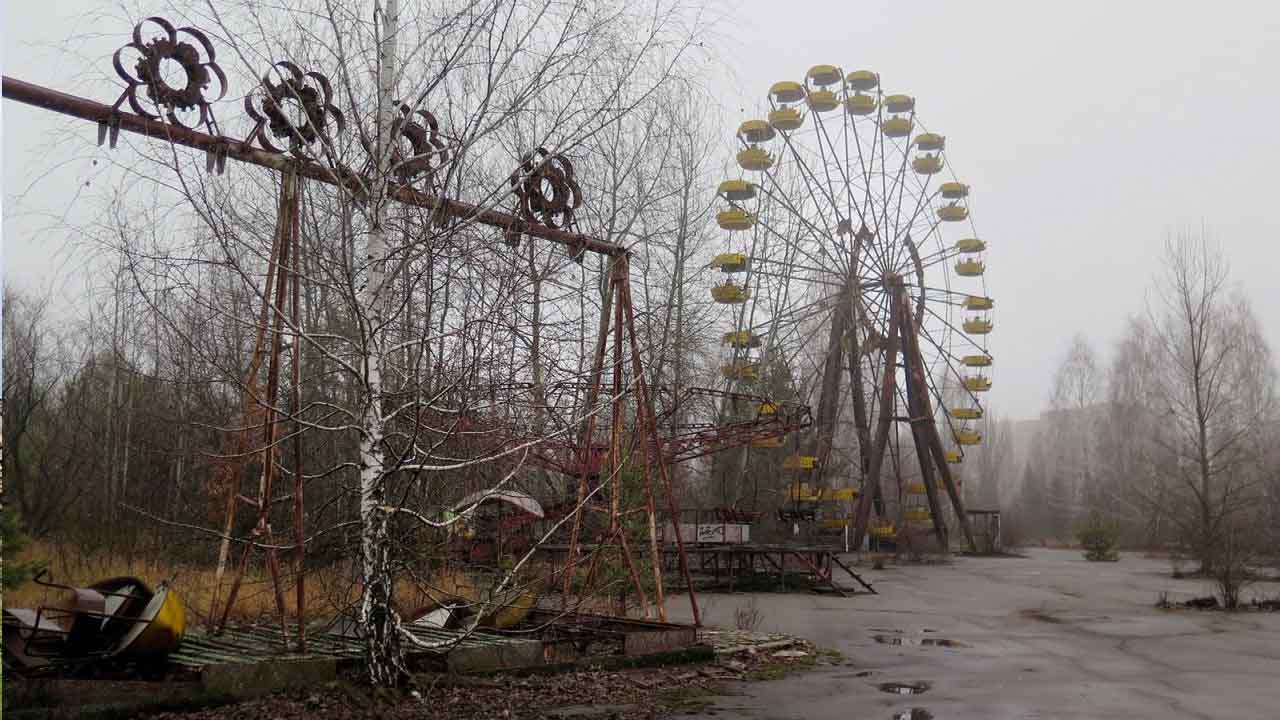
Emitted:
<point x="175" y="67"/>
<point x="419" y="150"/>
<point x="547" y="191"/>
<point x="293" y="114"/>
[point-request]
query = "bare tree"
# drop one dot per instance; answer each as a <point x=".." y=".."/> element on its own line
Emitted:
<point x="1213" y="394"/>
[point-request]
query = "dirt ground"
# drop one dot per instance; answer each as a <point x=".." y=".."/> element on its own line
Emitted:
<point x="1045" y="636"/>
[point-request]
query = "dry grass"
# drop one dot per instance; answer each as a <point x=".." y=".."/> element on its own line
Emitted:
<point x="328" y="590"/>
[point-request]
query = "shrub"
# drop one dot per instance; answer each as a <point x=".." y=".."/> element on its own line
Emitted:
<point x="1099" y="537"/>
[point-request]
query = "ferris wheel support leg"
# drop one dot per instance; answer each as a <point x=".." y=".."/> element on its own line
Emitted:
<point x="920" y="440"/>
<point x="918" y="408"/>
<point x="828" y="399"/>
<point x="918" y="395"/>
<point x="862" y="425"/>
<point x="882" y="437"/>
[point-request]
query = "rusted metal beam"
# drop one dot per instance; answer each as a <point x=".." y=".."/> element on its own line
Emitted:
<point x="85" y="109"/>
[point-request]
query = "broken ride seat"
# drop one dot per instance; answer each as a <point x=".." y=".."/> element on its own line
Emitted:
<point x="118" y="617"/>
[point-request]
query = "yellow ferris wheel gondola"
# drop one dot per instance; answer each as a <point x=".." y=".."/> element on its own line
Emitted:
<point x="970" y="268"/>
<point x="978" y="326"/>
<point x="966" y="413"/>
<point x="747" y="371"/>
<point x="755" y="159"/>
<point x="983" y="360"/>
<point x="730" y="293"/>
<point x="970" y="246"/>
<point x="731" y="262"/>
<point x="822" y="100"/>
<point x="896" y="126"/>
<point x="976" y="302"/>
<point x="927" y="164"/>
<point x="786" y="119"/>
<point x="968" y="437"/>
<point x="800" y="462"/>
<point x="756" y="131"/>
<point x="740" y="339"/>
<point x="977" y="383"/>
<point x="822" y="75"/>
<point x="737" y="190"/>
<point x="735" y="219"/>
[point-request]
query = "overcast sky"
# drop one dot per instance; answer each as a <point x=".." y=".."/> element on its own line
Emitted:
<point x="1088" y="130"/>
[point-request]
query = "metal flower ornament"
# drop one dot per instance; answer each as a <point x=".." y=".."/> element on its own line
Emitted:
<point x="426" y="151"/>
<point x="546" y="189"/>
<point x="175" y="69"/>
<point x="294" y="114"/>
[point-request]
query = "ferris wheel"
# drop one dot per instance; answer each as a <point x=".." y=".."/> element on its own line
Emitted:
<point x="851" y="261"/>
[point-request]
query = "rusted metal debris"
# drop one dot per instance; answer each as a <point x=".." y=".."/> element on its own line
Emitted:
<point x="119" y="618"/>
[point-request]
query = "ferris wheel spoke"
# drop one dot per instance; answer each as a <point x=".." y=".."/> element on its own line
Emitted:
<point x="815" y="232"/>
<point x="811" y="179"/>
<point x="842" y="168"/>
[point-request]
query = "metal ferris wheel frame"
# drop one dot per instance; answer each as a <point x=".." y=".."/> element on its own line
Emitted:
<point x="861" y="234"/>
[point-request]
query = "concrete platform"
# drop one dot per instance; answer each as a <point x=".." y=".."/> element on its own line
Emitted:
<point x="1048" y="636"/>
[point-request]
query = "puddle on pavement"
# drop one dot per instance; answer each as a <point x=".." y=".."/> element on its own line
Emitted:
<point x="897" y="688"/>
<point x="917" y="642"/>
<point x="913" y="714"/>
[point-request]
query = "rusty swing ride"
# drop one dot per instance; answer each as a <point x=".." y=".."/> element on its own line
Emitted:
<point x="292" y="117"/>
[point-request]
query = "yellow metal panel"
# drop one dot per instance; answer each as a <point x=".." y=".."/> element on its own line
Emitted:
<point x="737" y="190"/>
<point x="930" y="142"/>
<point x="756" y="131"/>
<point x="927" y="164"/>
<point x="823" y="101"/>
<point x="861" y="104"/>
<point x="787" y="91"/>
<point x="731" y="262"/>
<point x="862" y="80"/>
<point x="730" y="294"/>
<point x="824" y="75"/>
<point x="755" y="159"/>
<point x="800" y="462"/>
<point x="975" y="302"/>
<point x="786" y="119"/>
<point x="899" y="103"/>
<point x="977" y="326"/>
<point x="896" y="127"/>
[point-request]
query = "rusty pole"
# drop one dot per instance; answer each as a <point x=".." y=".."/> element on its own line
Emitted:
<point x="295" y="317"/>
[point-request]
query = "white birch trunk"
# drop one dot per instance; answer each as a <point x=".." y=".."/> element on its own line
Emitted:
<point x="379" y="623"/>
